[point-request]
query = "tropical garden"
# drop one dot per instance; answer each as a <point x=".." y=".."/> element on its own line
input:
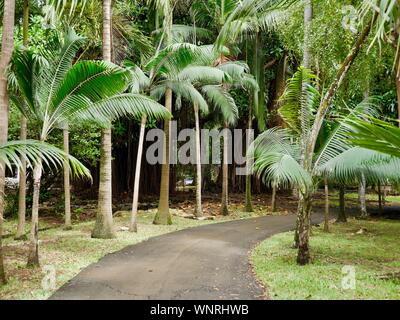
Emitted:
<point x="307" y="91"/>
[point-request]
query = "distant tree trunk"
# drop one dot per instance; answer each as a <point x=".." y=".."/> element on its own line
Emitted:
<point x="249" y="205"/>
<point x="133" y="224"/>
<point x="380" y="198"/>
<point x="7" y="46"/>
<point x="308" y="15"/>
<point x="103" y="228"/>
<point x="279" y="90"/>
<point x="163" y="215"/>
<point x="397" y="77"/>
<point x="342" y="205"/>
<point x="362" y="189"/>
<point x="20" y="234"/>
<point x="273" y="200"/>
<point x="224" y="199"/>
<point x="67" y="184"/>
<point x="33" y="255"/>
<point x="326" y="216"/>
<point x="198" y="210"/>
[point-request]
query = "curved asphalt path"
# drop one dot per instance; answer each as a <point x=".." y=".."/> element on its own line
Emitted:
<point x="207" y="262"/>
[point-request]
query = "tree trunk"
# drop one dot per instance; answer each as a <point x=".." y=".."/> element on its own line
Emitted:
<point x="224" y="198"/>
<point x="198" y="210"/>
<point x="133" y="224"/>
<point x="310" y="147"/>
<point x="308" y="15"/>
<point x="326" y="217"/>
<point x="249" y="205"/>
<point x="33" y="255"/>
<point x="340" y="75"/>
<point x="363" y="205"/>
<point x="20" y="234"/>
<point x="304" y="215"/>
<point x="397" y="77"/>
<point x="273" y="200"/>
<point x="163" y="215"/>
<point x="380" y="198"/>
<point x="103" y="228"/>
<point x="7" y="46"/>
<point x="342" y="206"/>
<point x="67" y="185"/>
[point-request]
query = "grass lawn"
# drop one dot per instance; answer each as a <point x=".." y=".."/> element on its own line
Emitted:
<point x="374" y="253"/>
<point x="71" y="251"/>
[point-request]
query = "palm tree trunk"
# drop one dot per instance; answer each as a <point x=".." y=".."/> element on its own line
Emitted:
<point x="67" y="185"/>
<point x="199" y="209"/>
<point x="133" y="224"/>
<point x="326" y="217"/>
<point x="224" y="198"/>
<point x="380" y="198"/>
<point x="342" y="205"/>
<point x="104" y="221"/>
<point x="7" y="46"/>
<point x="304" y="215"/>
<point x="340" y="75"/>
<point x="33" y="255"/>
<point x="20" y="234"/>
<point x="249" y="205"/>
<point x="103" y="228"/>
<point x="273" y="199"/>
<point x="303" y="210"/>
<point x="398" y="87"/>
<point x="308" y="14"/>
<point x="163" y="215"/>
<point x="363" y="205"/>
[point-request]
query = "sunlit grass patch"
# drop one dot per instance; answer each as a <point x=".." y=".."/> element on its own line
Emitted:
<point x="374" y="253"/>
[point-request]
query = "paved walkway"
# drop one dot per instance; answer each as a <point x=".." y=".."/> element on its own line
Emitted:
<point x="207" y="262"/>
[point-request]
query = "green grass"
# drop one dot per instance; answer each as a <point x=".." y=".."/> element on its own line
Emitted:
<point x="71" y="251"/>
<point x="375" y="254"/>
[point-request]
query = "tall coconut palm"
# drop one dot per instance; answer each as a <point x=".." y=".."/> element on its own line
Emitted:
<point x="245" y="20"/>
<point x="104" y="220"/>
<point x="60" y="91"/>
<point x="168" y="69"/>
<point x="7" y="46"/>
<point x="163" y="215"/>
<point x="20" y="234"/>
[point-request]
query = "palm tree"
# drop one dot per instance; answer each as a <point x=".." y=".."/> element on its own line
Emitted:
<point x="59" y="92"/>
<point x="7" y="46"/>
<point x="174" y="68"/>
<point x="280" y="153"/>
<point x="104" y="220"/>
<point x="163" y="215"/>
<point x="20" y="234"/>
<point x="58" y="8"/>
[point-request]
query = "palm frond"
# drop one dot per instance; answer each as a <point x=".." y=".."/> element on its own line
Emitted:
<point x="36" y="152"/>
<point x="336" y="143"/>
<point x="127" y="104"/>
<point x="375" y="135"/>
<point x="276" y="159"/>
<point x="222" y="102"/>
<point x="299" y="101"/>
<point x="182" y="89"/>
